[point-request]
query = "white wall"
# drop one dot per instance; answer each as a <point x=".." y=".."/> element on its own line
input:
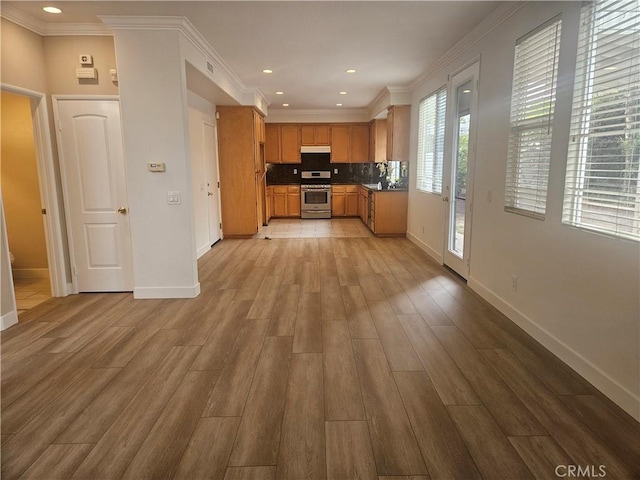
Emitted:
<point x="578" y="292"/>
<point x="153" y="103"/>
<point x="200" y="111"/>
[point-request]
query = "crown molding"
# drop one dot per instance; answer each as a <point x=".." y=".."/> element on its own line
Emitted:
<point x="486" y="26"/>
<point x="319" y="111"/>
<point x="52" y="29"/>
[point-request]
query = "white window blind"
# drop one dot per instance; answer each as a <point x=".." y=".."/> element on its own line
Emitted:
<point x="602" y="192"/>
<point x="533" y="97"/>
<point x="431" y="123"/>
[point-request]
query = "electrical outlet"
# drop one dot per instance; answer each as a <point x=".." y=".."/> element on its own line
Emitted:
<point x="173" y="198"/>
<point x="335" y="171"/>
<point x="295" y="171"/>
<point x="514" y="283"/>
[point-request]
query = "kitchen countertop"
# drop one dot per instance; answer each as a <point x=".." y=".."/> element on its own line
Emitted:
<point x="374" y="188"/>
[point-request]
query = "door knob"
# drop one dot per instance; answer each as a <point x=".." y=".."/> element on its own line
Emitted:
<point x="122" y="210"/>
<point x="445" y="199"/>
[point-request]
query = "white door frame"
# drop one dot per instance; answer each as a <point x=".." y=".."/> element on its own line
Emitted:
<point x="217" y="186"/>
<point x="48" y="190"/>
<point x="470" y="71"/>
<point x="65" y="193"/>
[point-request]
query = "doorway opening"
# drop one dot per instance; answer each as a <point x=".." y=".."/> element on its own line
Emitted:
<point x="23" y="205"/>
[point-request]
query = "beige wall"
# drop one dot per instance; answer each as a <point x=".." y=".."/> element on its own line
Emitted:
<point x="61" y="60"/>
<point x="23" y="61"/>
<point x="20" y="189"/>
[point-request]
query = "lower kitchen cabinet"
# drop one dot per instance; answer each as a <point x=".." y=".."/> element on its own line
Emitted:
<point x="286" y="200"/>
<point x="388" y="213"/>
<point x="344" y="201"/>
<point x="363" y="203"/>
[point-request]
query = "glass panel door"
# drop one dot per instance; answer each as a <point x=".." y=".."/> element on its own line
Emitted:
<point x="459" y="174"/>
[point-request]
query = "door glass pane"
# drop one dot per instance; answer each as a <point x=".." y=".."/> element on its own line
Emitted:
<point x="459" y="180"/>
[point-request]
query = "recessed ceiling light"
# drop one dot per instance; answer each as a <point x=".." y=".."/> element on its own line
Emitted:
<point x="466" y="90"/>
<point x="351" y="70"/>
<point x="338" y="104"/>
<point x="343" y="93"/>
<point x="266" y="70"/>
<point x="279" y="93"/>
<point x="285" y="104"/>
<point x="52" y="9"/>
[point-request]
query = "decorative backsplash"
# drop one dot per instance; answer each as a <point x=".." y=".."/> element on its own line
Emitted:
<point x="348" y="173"/>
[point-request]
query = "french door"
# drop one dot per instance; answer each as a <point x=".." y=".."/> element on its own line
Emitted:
<point x="459" y="167"/>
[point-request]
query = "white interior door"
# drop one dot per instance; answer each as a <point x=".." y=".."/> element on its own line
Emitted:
<point x="213" y="187"/>
<point x="91" y="155"/>
<point x="458" y="173"/>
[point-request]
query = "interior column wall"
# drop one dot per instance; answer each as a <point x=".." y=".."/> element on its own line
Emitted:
<point x="153" y="102"/>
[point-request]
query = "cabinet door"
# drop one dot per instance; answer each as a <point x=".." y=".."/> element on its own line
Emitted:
<point x="272" y="144"/>
<point x="398" y="124"/>
<point x="290" y="143"/>
<point x="337" y="204"/>
<point x="307" y="136"/>
<point x="351" y="204"/>
<point x="279" y="204"/>
<point x="359" y="144"/>
<point x="321" y="134"/>
<point x="340" y="144"/>
<point x="293" y="202"/>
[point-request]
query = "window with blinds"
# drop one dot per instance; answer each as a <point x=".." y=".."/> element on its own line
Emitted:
<point x="533" y="97"/>
<point x="431" y="123"/>
<point x="602" y="191"/>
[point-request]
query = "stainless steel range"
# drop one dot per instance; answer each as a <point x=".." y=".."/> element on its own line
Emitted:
<point x="315" y="190"/>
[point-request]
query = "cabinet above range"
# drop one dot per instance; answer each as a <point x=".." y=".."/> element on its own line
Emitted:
<point x="349" y="142"/>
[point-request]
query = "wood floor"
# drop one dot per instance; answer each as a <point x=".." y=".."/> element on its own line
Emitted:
<point x="341" y="358"/>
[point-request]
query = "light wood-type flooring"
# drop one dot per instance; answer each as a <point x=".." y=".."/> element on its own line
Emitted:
<point x="340" y="358"/>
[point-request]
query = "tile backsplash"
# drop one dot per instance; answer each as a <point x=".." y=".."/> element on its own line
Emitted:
<point x="348" y="173"/>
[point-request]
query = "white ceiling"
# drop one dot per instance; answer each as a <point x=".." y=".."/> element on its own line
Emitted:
<point x="307" y="44"/>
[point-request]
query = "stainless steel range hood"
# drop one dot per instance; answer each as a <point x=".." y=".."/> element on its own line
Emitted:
<point x="315" y="149"/>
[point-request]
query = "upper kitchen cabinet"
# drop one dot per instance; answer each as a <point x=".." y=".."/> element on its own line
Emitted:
<point x="258" y="127"/>
<point x="239" y="132"/>
<point x="350" y="143"/>
<point x="290" y="144"/>
<point x="272" y="143"/>
<point x="398" y="124"/>
<point x="340" y="144"/>
<point x="282" y="143"/>
<point x="314" y="135"/>
<point x="378" y="140"/>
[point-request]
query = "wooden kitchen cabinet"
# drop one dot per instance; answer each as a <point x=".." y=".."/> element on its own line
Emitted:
<point x="340" y="143"/>
<point x="240" y="175"/>
<point x="314" y="135"/>
<point x="389" y="213"/>
<point x="378" y="140"/>
<point x="344" y="201"/>
<point x="359" y="143"/>
<point x="268" y="204"/>
<point x="363" y="203"/>
<point x="290" y="144"/>
<point x="286" y="200"/>
<point x="349" y="143"/>
<point x="282" y="143"/>
<point x="398" y="125"/>
<point x="272" y="144"/>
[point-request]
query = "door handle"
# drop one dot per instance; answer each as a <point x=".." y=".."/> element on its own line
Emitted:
<point x="122" y="210"/>
<point x="209" y="194"/>
<point x="445" y="199"/>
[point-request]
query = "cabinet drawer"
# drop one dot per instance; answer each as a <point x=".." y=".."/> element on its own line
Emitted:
<point x="280" y="189"/>
<point x="351" y="188"/>
<point x="293" y="189"/>
<point x="338" y="188"/>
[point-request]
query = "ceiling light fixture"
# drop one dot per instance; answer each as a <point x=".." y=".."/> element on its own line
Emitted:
<point x="351" y="70"/>
<point x="266" y="70"/>
<point x="52" y="9"/>
<point x="279" y="93"/>
<point x="285" y="104"/>
<point x="343" y="93"/>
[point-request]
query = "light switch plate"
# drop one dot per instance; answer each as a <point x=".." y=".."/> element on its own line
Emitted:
<point x="156" y="166"/>
<point x="173" y="197"/>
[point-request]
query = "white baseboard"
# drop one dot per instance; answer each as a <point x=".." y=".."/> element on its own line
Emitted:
<point x="623" y="397"/>
<point x="167" y="292"/>
<point x="202" y="250"/>
<point x="8" y="319"/>
<point x="425" y="248"/>
<point x="30" y="273"/>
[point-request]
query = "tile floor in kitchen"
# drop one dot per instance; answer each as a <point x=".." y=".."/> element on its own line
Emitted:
<point x="314" y="228"/>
